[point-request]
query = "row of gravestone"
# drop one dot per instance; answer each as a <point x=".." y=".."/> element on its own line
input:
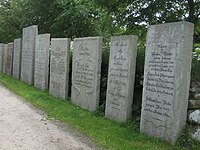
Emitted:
<point x="166" y="75"/>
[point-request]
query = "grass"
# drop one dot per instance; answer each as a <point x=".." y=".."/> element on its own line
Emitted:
<point x="105" y="133"/>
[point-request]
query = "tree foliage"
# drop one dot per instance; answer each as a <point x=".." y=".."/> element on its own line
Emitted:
<point x="78" y="18"/>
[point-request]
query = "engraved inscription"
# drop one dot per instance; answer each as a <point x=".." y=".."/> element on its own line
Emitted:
<point x="59" y="68"/>
<point x="118" y="75"/>
<point x="9" y="59"/>
<point x="28" y="51"/>
<point x="86" y="72"/>
<point x="41" y="61"/>
<point x="84" y="69"/>
<point x="17" y="58"/>
<point x="160" y="81"/>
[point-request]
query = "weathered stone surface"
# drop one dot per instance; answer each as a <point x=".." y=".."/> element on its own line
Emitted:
<point x="59" y="67"/>
<point x="194" y="104"/>
<point x="9" y="59"/>
<point x="42" y="61"/>
<point x="167" y="79"/>
<point x="28" y="54"/>
<point x="86" y="72"/>
<point x="1" y="56"/>
<point x="17" y="58"/>
<point x="5" y="49"/>
<point x="194" y="117"/>
<point x="121" y="77"/>
<point x="197" y="96"/>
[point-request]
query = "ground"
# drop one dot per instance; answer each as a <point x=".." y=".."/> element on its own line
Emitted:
<point x="24" y="127"/>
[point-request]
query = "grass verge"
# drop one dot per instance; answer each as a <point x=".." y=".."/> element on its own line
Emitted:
<point x="105" y="133"/>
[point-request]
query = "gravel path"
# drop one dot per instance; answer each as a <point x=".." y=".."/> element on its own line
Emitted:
<point x="22" y="127"/>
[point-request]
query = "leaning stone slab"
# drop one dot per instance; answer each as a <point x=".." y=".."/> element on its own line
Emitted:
<point x="1" y="56"/>
<point x="17" y="58"/>
<point x="42" y="61"/>
<point x="9" y="59"/>
<point x="59" y="67"/>
<point x="5" y="49"/>
<point x="167" y="79"/>
<point x="86" y="72"/>
<point x="121" y="77"/>
<point x="28" y="54"/>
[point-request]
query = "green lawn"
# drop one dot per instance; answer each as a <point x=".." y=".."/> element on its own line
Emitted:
<point x="105" y="133"/>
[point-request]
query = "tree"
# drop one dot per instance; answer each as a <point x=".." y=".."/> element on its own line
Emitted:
<point x="136" y="14"/>
<point x="10" y="20"/>
<point x="61" y="18"/>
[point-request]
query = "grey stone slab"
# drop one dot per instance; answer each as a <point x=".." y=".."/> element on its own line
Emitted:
<point x="5" y="49"/>
<point x="41" y="72"/>
<point x="9" y="59"/>
<point x="1" y="56"/>
<point x="121" y="77"/>
<point x="167" y="79"/>
<point x="59" y="67"/>
<point x="28" y="54"/>
<point x="17" y="58"/>
<point x="86" y="72"/>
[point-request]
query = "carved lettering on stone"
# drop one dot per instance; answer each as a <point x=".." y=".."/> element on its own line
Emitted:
<point x="167" y="79"/>
<point x="5" y="49"/>
<point x="28" y="54"/>
<point x="86" y="72"/>
<point x="1" y="56"/>
<point x="17" y="58"/>
<point x="42" y="61"/>
<point x="9" y="59"/>
<point x="121" y="78"/>
<point x="59" y="67"/>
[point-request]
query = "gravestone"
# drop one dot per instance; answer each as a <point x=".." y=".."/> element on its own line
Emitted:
<point x="9" y="59"/>
<point x="17" y="58"/>
<point x="42" y="61"/>
<point x="1" y="56"/>
<point x="5" y="49"/>
<point x="121" y="77"/>
<point x="59" y="67"/>
<point x="28" y="54"/>
<point x="86" y="72"/>
<point x="166" y="80"/>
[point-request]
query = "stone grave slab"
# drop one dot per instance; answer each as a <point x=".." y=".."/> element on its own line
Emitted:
<point x="28" y="54"/>
<point x="9" y="59"/>
<point x="5" y="49"/>
<point x="121" y="77"/>
<point x="167" y="79"/>
<point x="17" y="58"/>
<point x="1" y="56"/>
<point x="41" y="72"/>
<point x="86" y="72"/>
<point x="59" y="67"/>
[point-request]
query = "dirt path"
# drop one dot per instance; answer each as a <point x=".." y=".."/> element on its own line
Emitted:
<point x="24" y="128"/>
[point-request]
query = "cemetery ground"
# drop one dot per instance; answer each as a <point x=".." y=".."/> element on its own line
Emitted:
<point x="104" y="133"/>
